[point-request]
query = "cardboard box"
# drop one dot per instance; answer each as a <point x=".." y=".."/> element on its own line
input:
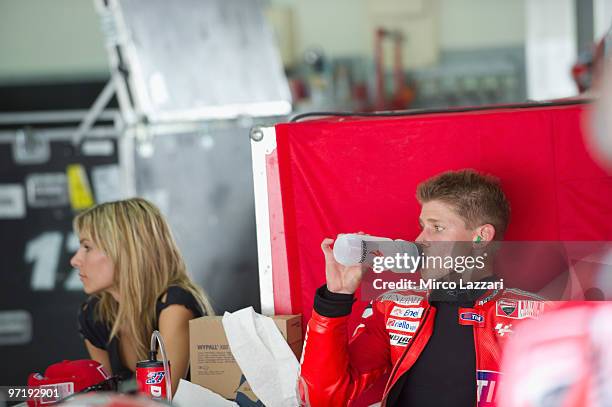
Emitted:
<point x="212" y="364"/>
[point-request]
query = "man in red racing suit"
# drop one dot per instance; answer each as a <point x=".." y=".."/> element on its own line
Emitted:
<point x="397" y="327"/>
<point x="337" y="369"/>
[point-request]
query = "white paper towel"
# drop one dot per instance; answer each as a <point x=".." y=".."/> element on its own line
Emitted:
<point x="265" y="358"/>
<point x="189" y="394"/>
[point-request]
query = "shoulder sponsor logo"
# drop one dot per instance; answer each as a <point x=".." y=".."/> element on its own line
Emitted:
<point x="502" y="329"/>
<point x="401" y="325"/>
<point x="407" y="312"/>
<point x="507" y="308"/>
<point x="530" y="309"/>
<point x="519" y="309"/>
<point x="401" y="299"/>
<point x="398" y="339"/>
<point x="486" y="387"/>
<point x="525" y="293"/>
<point x="488" y="297"/>
<point x="471" y="316"/>
<point x="367" y="312"/>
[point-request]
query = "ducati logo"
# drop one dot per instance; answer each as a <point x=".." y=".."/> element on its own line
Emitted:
<point x="508" y="307"/>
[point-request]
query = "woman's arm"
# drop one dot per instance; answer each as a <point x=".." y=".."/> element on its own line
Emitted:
<point x="174" y="329"/>
<point x="100" y="356"/>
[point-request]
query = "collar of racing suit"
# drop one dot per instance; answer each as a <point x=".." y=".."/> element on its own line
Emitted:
<point x="462" y="297"/>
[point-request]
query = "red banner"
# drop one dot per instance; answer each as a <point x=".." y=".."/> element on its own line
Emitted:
<point x="340" y="175"/>
<point x="346" y="175"/>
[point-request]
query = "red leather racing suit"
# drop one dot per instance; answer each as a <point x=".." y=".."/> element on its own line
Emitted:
<point x="391" y="335"/>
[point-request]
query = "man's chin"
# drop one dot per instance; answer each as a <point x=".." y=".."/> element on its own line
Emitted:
<point x="431" y="274"/>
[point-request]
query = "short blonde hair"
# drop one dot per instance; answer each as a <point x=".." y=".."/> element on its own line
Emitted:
<point x="477" y="198"/>
<point x="136" y="237"/>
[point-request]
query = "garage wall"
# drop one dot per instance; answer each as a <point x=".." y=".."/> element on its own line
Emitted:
<point x="57" y="39"/>
<point x="62" y="39"/>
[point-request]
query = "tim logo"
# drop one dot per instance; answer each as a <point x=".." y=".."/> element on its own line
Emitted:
<point x="471" y="316"/>
<point x="486" y="390"/>
<point x="154" y="377"/>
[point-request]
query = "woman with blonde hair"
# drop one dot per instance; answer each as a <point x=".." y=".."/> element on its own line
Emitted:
<point x="135" y="275"/>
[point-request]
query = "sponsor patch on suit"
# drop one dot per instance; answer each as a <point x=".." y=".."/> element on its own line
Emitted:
<point x="402" y="325"/>
<point x="399" y="339"/>
<point x="407" y="312"/>
<point x="519" y="309"/>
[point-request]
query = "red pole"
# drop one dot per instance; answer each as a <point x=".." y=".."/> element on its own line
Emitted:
<point x="379" y="104"/>
<point x="398" y="68"/>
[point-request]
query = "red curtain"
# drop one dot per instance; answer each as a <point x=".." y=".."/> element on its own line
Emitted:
<point x="341" y="175"/>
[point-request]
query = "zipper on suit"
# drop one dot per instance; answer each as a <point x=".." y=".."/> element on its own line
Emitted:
<point x="476" y="364"/>
<point x="399" y="362"/>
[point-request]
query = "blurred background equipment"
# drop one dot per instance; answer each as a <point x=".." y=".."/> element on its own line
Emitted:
<point x="600" y="140"/>
<point x="401" y="95"/>
<point x="218" y="60"/>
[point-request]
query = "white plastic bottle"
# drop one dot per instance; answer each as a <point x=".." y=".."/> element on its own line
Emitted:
<point x="354" y="249"/>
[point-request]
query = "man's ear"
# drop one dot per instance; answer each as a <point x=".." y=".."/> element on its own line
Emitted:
<point x="486" y="233"/>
